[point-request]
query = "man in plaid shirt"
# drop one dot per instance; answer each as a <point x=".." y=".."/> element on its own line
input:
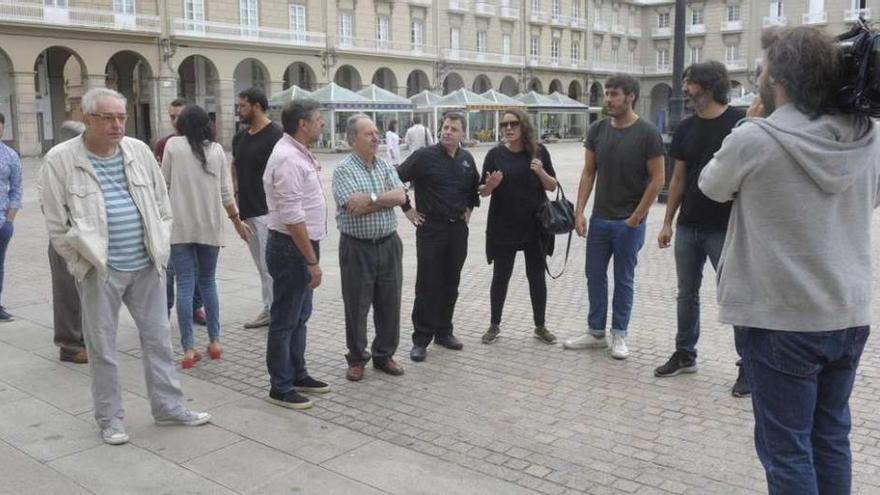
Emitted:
<point x="366" y="190"/>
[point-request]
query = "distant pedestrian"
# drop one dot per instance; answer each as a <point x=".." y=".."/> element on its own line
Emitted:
<point x="392" y="144"/>
<point x="417" y="136"/>
<point x="10" y="202"/>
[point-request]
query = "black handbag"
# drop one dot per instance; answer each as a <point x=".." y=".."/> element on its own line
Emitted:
<point x="557" y="217"/>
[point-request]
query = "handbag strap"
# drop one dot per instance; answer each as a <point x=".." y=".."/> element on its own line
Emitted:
<point x="564" y="264"/>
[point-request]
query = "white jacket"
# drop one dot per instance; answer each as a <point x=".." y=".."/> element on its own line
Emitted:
<point x="73" y="204"/>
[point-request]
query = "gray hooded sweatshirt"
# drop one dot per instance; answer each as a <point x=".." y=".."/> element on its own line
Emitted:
<point x="797" y="255"/>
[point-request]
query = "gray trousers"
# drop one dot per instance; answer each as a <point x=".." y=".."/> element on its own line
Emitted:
<point x="257" y="246"/>
<point x="143" y="293"/>
<point x="372" y="274"/>
<point x="65" y="305"/>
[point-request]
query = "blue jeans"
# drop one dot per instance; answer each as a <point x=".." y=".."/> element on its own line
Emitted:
<point x="169" y="288"/>
<point x="607" y="238"/>
<point x="5" y="235"/>
<point x="191" y="261"/>
<point x="801" y="383"/>
<point x="692" y="246"/>
<point x="289" y="313"/>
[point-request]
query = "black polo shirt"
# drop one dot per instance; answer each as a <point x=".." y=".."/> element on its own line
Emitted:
<point x="445" y="186"/>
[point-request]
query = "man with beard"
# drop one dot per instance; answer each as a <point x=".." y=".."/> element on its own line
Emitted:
<point x="796" y="266"/>
<point x="624" y="158"/>
<point x="251" y="148"/>
<point x="702" y="224"/>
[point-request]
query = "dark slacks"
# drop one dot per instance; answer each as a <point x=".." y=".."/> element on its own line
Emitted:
<point x="66" y="308"/>
<point x="372" y="275"/>
<point x="502" y="270"/>
<point x="441" y="248"/>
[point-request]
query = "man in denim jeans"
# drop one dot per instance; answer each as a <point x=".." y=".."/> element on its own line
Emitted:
<point x="702" y="223"/>
<point x="796" y="267"/>
<point x="624" y="157"/>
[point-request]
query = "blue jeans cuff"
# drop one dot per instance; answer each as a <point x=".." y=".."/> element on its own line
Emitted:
<point x="618" y="333"/>
<point x="596" y="333"/>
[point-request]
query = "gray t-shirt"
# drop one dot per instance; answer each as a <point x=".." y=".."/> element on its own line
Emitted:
<point x="621" y="165"/>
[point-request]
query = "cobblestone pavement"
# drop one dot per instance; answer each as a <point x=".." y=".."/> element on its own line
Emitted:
<point x="549" y="420"/>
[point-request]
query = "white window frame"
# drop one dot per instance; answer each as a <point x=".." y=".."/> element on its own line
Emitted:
<point x="696" y="54"/>
<point x="346" y="26"/>
<point x="662" y="57"/>
<point x="58" y="4"/>
<point x="731" y="54"/>
<point x="417" y="33"/>
<point x="576" y="9"/>
<point x="777" y="9"/>
<point x="455" y="38"/>
<point x="615" y="55"/>
<point x="663" y="20"/>
<point x="482" y="41"/>
<point x="383" y="31"/>
<point x="597" y="53"/>
<point x="698" y="16"/>
<point x="535" y="47"/>
<point x="555" y="49"/>
<point x="556" y="8"/>
<point x="249" y="17"/>
<point x="575" y="52"/>
<point x="506" y="43"/>
<point x="536" y="5"/>
<point x="296" y="14"/>
<point x="733" y="13"/>
<point x="193" y="11"/>
<point x="119" y="6"/>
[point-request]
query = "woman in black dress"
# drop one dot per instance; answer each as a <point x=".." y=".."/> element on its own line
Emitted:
<point x="516" y="173"/>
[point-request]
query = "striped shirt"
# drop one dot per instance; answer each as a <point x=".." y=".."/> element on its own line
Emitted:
<point x="125" y="228"/>
<point x="353" y="176"/>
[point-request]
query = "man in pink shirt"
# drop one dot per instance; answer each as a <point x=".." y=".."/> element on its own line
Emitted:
<point x="297" y="222"/>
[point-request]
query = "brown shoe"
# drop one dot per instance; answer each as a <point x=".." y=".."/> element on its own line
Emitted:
<point x="74" y="357"/>
<point x="389" y="366"/>
<point x="355" y="372"/>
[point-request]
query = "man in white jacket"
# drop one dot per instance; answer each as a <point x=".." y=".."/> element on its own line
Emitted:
<point x="417" y="136"/>
<point x="108" y="216"/>
<point x="795" y="272"/>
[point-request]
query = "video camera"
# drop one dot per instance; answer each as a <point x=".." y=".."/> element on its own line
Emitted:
<point x="860" y="93"/>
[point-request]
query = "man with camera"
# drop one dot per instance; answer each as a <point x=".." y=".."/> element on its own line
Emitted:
<point x="795" y="272"/>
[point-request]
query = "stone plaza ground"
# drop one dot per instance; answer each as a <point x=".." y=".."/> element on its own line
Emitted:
<point x="515" y="417"/>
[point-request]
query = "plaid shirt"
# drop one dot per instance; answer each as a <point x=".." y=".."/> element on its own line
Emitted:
<point x="353" y="176"/>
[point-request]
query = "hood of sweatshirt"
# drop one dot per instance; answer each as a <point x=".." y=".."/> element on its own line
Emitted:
<point x="832" y="149"/>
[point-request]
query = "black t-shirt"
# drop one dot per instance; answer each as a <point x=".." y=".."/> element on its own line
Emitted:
<point x="250" y="152"/>
<point x="695" y="142"/>
<point x="515" y="202"/>
<point x="622" y="165"/>
<point x="445" y="186"/>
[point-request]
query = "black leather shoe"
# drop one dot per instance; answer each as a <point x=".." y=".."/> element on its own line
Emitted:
<point x="418" y="353"/>
<point x="449" y="342"/>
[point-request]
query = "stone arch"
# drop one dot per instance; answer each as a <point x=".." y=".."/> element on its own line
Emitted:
<point x="249" y="73"/>
<point x="660" y="95"/>
<point x="535" y="85"/>
<point x="198" y="82"/>
<point x="416" y="82"/>
<point x="452" y="82"/>
<point x="385" y="79"/>
<point x="555" y="86"/>
<point x="300" y="74"/>
<point x="596" y="94"/>
<point x="575" y="90"/>
<point x="482" y="84"/>
<point x="7" y="91"/>
<point x="509" y="86"/>
<point x="60" y="80"/>
<point x="348" y="77"/>
<point x="737" y="90"/>
<point x="130" y="73"/>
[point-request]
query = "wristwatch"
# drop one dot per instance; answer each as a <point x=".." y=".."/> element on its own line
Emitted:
<point x="373" y="198"/>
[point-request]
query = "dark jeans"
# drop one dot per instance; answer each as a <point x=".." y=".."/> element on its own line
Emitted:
<point x="502" y="269"/>
<point x="169" y="288"/>
<point x="692" y="246"/>
<point x="66" y="310"/>
<point x="441" y="248"/>
<point x="372" y="276"/>
<point x="289" y="313"/>
<point x="6" y="231"/>
<point x="607" y="239"/>
<point x="191" y="261"/>
<point x="801" y="383"/>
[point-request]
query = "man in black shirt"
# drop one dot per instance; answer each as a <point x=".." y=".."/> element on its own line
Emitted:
<point x="702" y="224"/>
<point x="445" y="179"/>
<point x="251" y="148"/>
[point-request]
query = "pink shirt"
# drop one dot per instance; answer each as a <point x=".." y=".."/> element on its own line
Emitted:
<point x="293" y="189"/>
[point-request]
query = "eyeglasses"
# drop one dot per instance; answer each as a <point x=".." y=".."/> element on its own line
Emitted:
<point x="111" y="117"/>
<point x="513" y="124"/>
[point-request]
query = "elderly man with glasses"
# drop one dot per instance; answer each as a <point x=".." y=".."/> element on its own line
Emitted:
<point x="108" y="216"/>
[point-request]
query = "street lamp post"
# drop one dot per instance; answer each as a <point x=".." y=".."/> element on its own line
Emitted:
<point x="676" y="100"/>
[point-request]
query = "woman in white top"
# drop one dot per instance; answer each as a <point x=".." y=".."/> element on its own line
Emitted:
<point x="200" y="189"/>
<point x="392" y="143"/>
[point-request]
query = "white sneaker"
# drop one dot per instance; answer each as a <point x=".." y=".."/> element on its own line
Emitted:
<point x="586" y="341"/>
<point x="262" y="320"/>
<point x="114" y="436"/>
<point x="189" y="418"/>
<point x="618" y="347"/>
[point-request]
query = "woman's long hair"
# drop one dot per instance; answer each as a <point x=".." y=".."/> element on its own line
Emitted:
<point x="195" y="125"/>
<point x="529" y="140"/>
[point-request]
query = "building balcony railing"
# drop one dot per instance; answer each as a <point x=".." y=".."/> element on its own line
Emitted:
<point x="733" y="65"/>
<point x="635" y="31"/>
<point x="813" y="18"/>
<point x="560" y="20"/>
<point x="237" y="32"/>
<point x="696" y="29"/>
<point x="775" y="21"/>
<point x="600" y="26"/>
<point x="731" y="26"/>
<point x="851" y="15"/>
<point x="457" y="55"/>
<point x="390" y="47"/>
<point x="661" y="32"/>
<point x="618" y="29"/>
<point x="509" y="13"/>
<point x="459" y="6"/>
<point x="485" y="9"/>
<point x="658" y="69"/>
<point x="578" y="23"/>
<point x="538" y="17"/>
<point x="37" y="13"/>
<point x="422" y="3"/>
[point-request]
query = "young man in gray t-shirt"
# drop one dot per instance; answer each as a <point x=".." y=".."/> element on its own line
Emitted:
<point x="624" y="159"/>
